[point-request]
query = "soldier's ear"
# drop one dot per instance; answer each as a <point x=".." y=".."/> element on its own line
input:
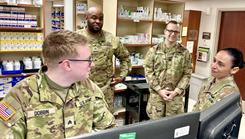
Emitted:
<point x="66" y="65"/>
<point x="234" y="70"/>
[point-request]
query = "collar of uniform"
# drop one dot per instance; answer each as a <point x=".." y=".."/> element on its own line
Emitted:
<point x="99" y="38"/>
<point x="161" y="47"/>
<point x="212" y="79"/>
<point x="48" y="95"/>
<point x="221" y="84"/>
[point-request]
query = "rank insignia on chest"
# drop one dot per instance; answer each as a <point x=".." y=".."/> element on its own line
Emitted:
<point x="6" y="112"/>
<point x="69" y="122"/>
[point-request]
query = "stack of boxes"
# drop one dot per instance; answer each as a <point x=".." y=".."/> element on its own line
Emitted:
<point x="16" y="17"/>
<point x="139" y="38"/>
<point x="7" y="83"/>
<point x="20" y="41"/>
<point x="82" y="8"/>
<point x="58" y="18"/>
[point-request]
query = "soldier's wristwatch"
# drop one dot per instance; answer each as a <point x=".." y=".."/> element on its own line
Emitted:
<point x="122" y="78"/>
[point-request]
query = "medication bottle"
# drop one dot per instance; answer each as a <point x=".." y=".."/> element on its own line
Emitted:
<point x="37" y="63"/>
<point x="9" y="66"/>
<point x="28" y="63"/>
<point x="16" y="65"/>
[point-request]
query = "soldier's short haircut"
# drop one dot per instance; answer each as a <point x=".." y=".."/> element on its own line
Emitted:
<point x="59" y="45"/>
<point x="172" y="22"/>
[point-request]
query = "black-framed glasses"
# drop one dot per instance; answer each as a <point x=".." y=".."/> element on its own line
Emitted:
<point x="90" y="60"/>
<point x="173" y="31"/>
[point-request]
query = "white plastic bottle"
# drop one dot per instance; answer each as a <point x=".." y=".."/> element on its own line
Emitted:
<point x="9" y="66"/>
<point x="155" y="15"/>
<point x="33" y="58"/>
<point x="38" y="2"/>
<point x="28" y="63"/>
<point x="4" y="64"/>
<point x="37" y="63"/>
<point x="16" y="65"/>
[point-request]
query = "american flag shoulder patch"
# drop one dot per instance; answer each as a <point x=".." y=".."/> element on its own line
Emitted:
<point x="6" y="112"/>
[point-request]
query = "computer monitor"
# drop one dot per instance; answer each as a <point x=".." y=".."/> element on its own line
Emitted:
<point x="182" y="126"/>
<point x="221" y="120"/>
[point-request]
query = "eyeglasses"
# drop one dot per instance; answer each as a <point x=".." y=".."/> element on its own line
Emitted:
<point x="172" y="31"/>
<point x="90" y="60"/>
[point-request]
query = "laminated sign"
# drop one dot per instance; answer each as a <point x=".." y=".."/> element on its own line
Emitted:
<point x="202" y="54"/>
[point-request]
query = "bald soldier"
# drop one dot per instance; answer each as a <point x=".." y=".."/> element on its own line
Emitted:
<point x="103" y="45"/>
<point x="168" y="69"/>
<point x="59" y="101"/>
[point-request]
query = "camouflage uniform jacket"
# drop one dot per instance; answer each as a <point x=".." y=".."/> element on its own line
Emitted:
<point x="103" y="47"/>
<point x="210" y="92"/>
<point x="40" y="112"/>
<point x="168" y="70"/>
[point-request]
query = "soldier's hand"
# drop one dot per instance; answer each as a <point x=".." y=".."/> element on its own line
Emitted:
<point x="163" y="93"/>
<point x="116" y="81"/>
<point x="171" y="95"/>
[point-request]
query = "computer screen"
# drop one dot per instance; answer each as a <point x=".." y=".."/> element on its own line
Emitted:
<point x="182" y="126"/>
<point x="221" y="120"/>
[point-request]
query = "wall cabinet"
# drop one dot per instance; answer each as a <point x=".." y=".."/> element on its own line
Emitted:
<point x="192" y="21"/>
<point x="120" y="26"/>
<point x="126" y="26"/>
<point x="81" y="7"/>
<point x="37" y="27"/>
<point x="57" y="18"/>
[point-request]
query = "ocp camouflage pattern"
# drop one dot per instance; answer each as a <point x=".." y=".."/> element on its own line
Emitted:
<point x="212" y="92"/>
<point x="40" y="112"/>
<point x="103" y="47"/>
<point x="167" y="69"/>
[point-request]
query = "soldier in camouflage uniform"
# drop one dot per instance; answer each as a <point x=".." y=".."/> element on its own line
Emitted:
<point x="103" y="45"/>
<point x="226" y="63"/>
<point x="59" y="101"/>
<point x="168" y="69"/>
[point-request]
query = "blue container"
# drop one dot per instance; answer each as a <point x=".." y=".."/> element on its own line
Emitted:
<point x="5" y="72"/>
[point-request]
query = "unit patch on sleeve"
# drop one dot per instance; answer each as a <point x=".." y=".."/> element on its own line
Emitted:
<point x="6" y="112"/>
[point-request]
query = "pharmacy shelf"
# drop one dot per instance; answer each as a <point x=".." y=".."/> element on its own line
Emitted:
<point x="132" y="20"/>
<point x="29" y="51"/>
<point x="14" y="75"/>
<point x="133" y="45"/>
<point x="19" y="5"/>
<point x="133" y="67"/>
<point x="79" y="27"/>
<point x="162" y="22"/>
<point x="121" y="90"/>
<point x="18" y="28"/>
<point x="82" y="14"/>
<point x="119" y="111"/>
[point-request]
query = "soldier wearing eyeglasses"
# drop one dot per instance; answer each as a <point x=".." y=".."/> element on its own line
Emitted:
<point x="59" y="101"/>
<point x="168" y="68"/>
<point x="103" y="45"/>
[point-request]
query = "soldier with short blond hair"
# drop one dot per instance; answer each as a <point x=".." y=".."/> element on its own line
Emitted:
<point x="59" y="101"/>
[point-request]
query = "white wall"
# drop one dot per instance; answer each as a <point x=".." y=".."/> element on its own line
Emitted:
<point x="48" y="23"/>
<point x="211" y="24"/>
<point x="69" y="14"/>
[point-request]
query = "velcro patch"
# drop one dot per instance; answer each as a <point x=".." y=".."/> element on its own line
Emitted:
<point x="6" y="112"/>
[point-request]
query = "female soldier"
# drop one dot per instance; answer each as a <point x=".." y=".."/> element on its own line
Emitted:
<point x="227" y="62"/>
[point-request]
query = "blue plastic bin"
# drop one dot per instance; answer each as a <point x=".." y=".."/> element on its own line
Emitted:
<point x="5" y="72"/>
